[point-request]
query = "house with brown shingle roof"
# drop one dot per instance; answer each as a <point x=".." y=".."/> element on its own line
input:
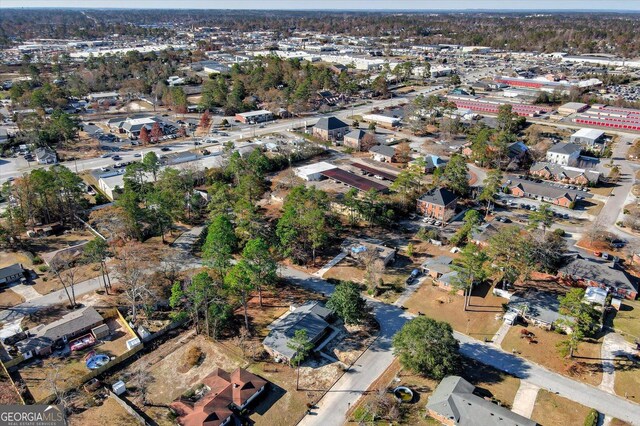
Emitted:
<point x="224" y="393"/>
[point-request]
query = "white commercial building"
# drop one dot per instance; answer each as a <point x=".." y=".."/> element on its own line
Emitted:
<point x="313" y="171"/>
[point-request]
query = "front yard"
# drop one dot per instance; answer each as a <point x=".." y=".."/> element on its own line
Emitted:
<point x="481" y="320"/>
<point x="585" y="366"/>
<point x="551" y="409"/>
<point x="489" y="383"/>
<point x="626" y="321"/>
<point x="67" y="369"/>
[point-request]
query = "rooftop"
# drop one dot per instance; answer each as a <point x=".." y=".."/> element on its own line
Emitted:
<point x="565" y="148"/>
<point x="330" y="123"/>
<point x="439" y="196"/>
<point x="454" y="400"/>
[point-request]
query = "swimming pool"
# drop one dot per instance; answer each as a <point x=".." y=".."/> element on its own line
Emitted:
<point x="97" y="361"/>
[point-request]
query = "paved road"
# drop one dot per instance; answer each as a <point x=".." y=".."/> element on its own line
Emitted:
<point x="12" y="317"/>
<point x="16" y="167"/>
<point x="333" y="407"/>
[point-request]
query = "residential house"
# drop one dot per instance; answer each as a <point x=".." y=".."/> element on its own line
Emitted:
<point x="439" y="203"/>
<point x="46" y="155"/>
<point x="588" y="137"/>
<point x="437" y="266"/>
<point x="12" y="273"/>
<point x="224" y="394"/>
<point x="312" y="317"/>
<point x="110" y="97"/>
<point x="330" y="129"/>
<point x="483" y="233"/>
<point x="383" y="153"/>
<point x="565" y="154"/>
<point x="453" y="403"/>
<point x="353" y="139"/>
<point x="433" y="162"/>
<point x="591" y="272"/>
<point x="517" y="152"/>
<point x="43" y="337"/>
<point x="358" y="249"/>
<point x="540" y="308"/>
<point x="543" y="192"/>
<point x="565" y="174"/>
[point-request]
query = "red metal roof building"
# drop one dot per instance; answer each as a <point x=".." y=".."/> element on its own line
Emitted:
<point x="479" y="104"/>
<point x="610" y="117"/>
<point x="353" y="180"/>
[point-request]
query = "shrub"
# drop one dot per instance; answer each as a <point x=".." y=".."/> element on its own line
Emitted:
<point x="193" y="356"/>
<point x="592" y="418"/>
<point x="43" y="268"/>
<point x="559" y="232"/>
<point x="37" y="260"/>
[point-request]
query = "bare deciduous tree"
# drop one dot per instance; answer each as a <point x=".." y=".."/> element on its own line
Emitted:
<point x="131" y="266"/>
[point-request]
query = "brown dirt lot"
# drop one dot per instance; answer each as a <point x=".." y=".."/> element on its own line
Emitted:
<point x="8" y="394"/>
<point x="9" y="298"/>
<point x="551" y="409"/>
<point x="585" y="365"/>
<point x="478" y="321"/>
<point x="109" y="413"/>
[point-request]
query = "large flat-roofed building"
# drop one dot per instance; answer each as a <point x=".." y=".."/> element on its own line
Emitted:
<point x="572" y="108"/>
<point x="313" y="171"/>
<point x="588" y="137"/>
<point x="259" y="116"/>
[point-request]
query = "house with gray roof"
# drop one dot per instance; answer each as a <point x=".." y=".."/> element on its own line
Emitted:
<point x="353" y="139"/>
<point x="454" y="403"/>
<point x="540" y="308"/>
<point x="312" y="317"/>
<point x="439" y="203"/>
<point x="383" y="153"/>
<point x="12" y="273"/>
<point x="565" y="174"/>
<point x="565" y="154"/>
<point x="597" y="273"/>
<point x="42" y="338"/>
<point x="330" y="129"/>
<point x="46" y="155"/>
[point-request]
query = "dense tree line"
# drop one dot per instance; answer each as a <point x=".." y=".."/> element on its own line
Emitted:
<point x="573" y="32"/>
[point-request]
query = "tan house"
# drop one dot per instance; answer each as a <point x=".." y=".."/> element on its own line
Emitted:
<point x="330" y="129"/>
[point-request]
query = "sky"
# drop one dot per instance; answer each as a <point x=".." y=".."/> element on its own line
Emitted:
<point x="580" y="5"/>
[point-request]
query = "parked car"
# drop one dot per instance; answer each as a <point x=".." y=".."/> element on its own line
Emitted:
<point x="165" y="149"/>
<point x="413" y="276"/>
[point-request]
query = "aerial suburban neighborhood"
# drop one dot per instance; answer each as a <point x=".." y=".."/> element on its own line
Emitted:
<point x="353" y="215"/>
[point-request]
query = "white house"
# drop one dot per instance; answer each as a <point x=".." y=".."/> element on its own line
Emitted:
<point x="565" y="154"/>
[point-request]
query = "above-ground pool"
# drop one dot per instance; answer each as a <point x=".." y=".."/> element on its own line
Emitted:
<point x="97" y="361"/>
<point x="403" y="394"/>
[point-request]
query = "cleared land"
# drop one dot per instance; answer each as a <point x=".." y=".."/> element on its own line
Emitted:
<point x="551" y="409"/>
<point x="482" y="318"/>
<point x="109" y="413"/>
<point x="585" y="366"/>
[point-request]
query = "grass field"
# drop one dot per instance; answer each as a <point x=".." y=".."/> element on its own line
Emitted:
<point x="552" y="410"/>
<point x="627" y="380"/>
<point x="627" y="320"/>
<point x="479" y="321"/>
<point x="585" y="366"/>
<point x="110" y="413"/>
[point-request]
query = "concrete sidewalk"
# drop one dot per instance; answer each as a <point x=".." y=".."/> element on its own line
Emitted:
<point x="320" y="272"/>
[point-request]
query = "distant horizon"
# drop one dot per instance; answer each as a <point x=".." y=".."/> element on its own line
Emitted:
<point x="425" y="6"/>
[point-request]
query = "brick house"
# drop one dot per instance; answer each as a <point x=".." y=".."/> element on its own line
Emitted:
<point x="439" y="203"/>
<point x="526" y="189"/>
<point x="565" y="174"/>
<point x="330" y="129"/>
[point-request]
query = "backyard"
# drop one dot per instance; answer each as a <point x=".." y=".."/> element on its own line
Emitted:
<point x="586" y="365"/>
<point x="109" y="412"/>
<point x="481" y="320"/>
<point x="627" y="380"/>
<point x="67" y="369"/>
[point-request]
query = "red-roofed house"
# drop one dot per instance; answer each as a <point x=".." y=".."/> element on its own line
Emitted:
<point x="224" y="393"/>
